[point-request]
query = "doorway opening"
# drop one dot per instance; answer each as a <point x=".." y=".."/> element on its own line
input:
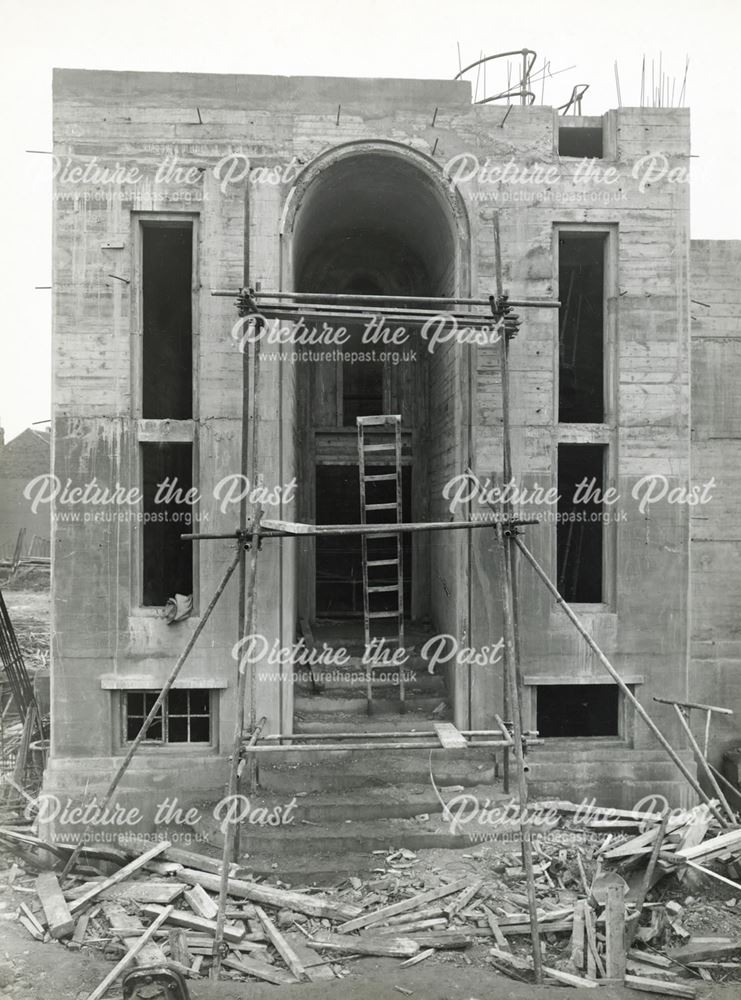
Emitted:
<point x="372" y="222"/>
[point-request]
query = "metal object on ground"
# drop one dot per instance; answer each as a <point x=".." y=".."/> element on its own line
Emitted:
<point x="154" y="983"/>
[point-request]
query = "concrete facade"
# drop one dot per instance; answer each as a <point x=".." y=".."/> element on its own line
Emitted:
<point x="310" y="140"/>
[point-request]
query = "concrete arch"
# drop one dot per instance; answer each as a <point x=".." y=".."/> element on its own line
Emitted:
<point x="392" y="200"/>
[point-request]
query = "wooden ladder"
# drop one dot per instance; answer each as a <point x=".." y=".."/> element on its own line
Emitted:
<point x="372" y="558"/>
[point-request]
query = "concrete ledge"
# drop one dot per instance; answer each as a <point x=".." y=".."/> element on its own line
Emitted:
<point x="134" y="682"/>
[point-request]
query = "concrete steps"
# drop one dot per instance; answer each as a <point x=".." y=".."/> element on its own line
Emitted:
<point x="610" y="772"/>
<point x="289" y="771"/>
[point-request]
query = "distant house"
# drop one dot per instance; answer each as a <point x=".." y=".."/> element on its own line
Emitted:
<point x="21" y="460"/>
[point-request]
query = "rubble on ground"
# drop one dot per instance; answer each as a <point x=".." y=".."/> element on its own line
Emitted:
<point x="620" y="898"/>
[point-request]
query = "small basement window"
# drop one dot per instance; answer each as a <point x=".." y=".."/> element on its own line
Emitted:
<point x="585" y="141"/>
<point x="185" y="716"/>
<point x="578" y="710"/>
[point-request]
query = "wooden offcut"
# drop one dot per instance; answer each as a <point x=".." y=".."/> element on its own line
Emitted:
<point x="404" y="906"/>
<point x="180" y="918"/>
<point x="58" y="917"/>
<point x="312" y="906"/>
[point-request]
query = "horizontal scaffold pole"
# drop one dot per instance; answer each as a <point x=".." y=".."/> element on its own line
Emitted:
<point x="291" y="529"/>
<point x="381" y="302"/>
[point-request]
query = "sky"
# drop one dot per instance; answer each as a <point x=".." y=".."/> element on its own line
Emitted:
<point x="392" y="38"/>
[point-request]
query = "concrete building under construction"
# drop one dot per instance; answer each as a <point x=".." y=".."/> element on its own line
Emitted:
<point x="169" y="187"/>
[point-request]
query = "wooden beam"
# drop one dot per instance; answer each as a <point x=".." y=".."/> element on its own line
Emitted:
<point x="404" y="906"/>
<point x="58" y="917"/>
<point x="129" y="957"/>
<point x="312" y="906"/>
<point x="280" y="944"/>
<point x="122" y="874"/>
<point x="615" y="933"/>
<point x="180" y="918"/>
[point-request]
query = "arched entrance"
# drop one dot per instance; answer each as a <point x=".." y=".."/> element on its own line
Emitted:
<point x="374" y="219"/>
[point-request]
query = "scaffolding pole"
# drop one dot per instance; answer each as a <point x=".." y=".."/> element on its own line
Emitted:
<point x="511" y="644"/>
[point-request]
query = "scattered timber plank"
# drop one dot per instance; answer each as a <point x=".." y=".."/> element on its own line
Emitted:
<point x="496" y="930"/>
<point x="713" y="848"/>
<point x="260" y="970"/>
<point x="465" y="897"/>
<point x="553" y="927"/>
<point x="577" y="936"/>
<point x="615" y="932"/>
<point x="414" y="926"/>
<point x="201" y="903"/>
<point x="442" y="940"/>
<point x="450" y="738"/>
<point x="526" y="964"/>
<point x="280" y="944"/>
<point x="413" y="903"/>
<point x="643" y="843"/>
<point x="58" y="917"/>
<point x="313" y="906"/>
<point x="702" y="949"/>
<point x="416" y="959"/>
<point x="650" y="958"/>
<point x="179" y="947"/>
<point x="180" y="856"/>
<point x="647" y="985"/>
<point x="180" y="918"/>
<point x="366" y="944"/>
<point x="121" y="875"/>
<point x="409" y="918"/>
<point x="129" y="957"/>
<point x="314" y="966"/>
<point x="79" y="933"/>
<point x="594" y="962"/>
<point x="131" y="929"/>
<point x="151" y="891"/>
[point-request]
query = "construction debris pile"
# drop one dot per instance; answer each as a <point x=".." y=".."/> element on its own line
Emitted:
<point x="616" y="901"/>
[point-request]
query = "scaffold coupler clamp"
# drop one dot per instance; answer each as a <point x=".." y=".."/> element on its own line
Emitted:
<point x="502" y="311"/>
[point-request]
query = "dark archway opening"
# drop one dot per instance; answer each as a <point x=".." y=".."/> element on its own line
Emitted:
<point x="371" y="223"/>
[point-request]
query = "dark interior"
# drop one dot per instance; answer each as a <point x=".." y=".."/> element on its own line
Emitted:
<point x="167" y="560"/>
<point x="577" y="710"/>
<point x="584" y="141"/>
<point x="581" y="276"/>
<point x="167" y="348"/>
<point x="579" y="534"/>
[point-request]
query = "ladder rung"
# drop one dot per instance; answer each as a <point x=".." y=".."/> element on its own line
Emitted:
<point x="380" y="447"/>
<point x="384" y="478"/>
<point x="384" y="614"/>
<point x="381" y="506"/>
<point x="379" y="419"/>
<point x="385" y="589"/>
<point x="382" y="534"/>
<point x="382" y="562"/>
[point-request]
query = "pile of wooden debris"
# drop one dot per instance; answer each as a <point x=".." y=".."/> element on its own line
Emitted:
<point x="599" y="912"/>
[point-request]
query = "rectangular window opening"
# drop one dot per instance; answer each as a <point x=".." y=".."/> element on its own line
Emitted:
<point x="185" y="716"/>
<point x="584" y="141"/>
<point x="578" y="710"/>
<point x="579" y="533"/>
<point x="167" y="326"/>
<point x="362" y="381"/>
<point x="167" y="561"/>
<point x="581" y="290"/>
